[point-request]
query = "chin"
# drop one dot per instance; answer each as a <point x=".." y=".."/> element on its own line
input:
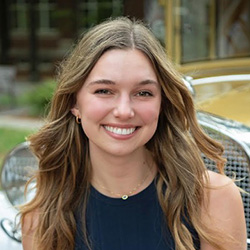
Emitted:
<point x="122" y="151"/>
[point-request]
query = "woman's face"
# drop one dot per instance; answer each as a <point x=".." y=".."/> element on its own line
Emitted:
<point x="119" y="103"/>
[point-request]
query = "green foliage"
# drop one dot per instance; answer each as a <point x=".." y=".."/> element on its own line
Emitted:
<point x="38" y="99"/>
<point x="5" y="101"/>
<point x="9" y="139"/>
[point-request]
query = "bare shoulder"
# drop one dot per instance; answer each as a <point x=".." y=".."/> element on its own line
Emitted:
<point x="224" y="195"/>
<point x="225" y="210"/>
<point x="29" y="224"/>
<point x="222" y="183"/>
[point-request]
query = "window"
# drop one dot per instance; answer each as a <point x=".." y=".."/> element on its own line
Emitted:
<point x="213" y="29"/>
<point x="154" y="16"/>
<point x="92" y="12"/>
<point x="233" y="28"/>
<point x="19" y="15"/>
<point x="19" y="12"/>
<point x="195" y="30"/>
<point x="46" y="20"/>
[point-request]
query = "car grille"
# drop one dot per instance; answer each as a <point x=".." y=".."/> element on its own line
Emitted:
<point x="238" y="166"/>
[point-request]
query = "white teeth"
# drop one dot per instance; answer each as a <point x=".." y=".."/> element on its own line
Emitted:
<point x="120" y="131"/>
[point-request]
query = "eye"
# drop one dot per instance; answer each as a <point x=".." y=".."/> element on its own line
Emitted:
<point x="103" y="92"/>
<point x="144" y="93"/>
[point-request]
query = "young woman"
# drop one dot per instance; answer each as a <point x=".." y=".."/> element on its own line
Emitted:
<point x="120" y="165"/>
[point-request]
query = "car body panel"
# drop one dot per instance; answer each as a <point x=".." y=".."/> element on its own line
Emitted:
<point x="225" y="96"/>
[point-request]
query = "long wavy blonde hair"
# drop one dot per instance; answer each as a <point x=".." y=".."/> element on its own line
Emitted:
<point x="63" y="178"/>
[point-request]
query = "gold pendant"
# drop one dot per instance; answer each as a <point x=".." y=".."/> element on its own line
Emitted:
<point x="125" y="197"/>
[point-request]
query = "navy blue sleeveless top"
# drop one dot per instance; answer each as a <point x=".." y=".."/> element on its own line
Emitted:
<point x="133" y="224"/>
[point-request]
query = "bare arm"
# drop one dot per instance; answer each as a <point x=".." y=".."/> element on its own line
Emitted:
<point x="28" y="227"/>
<point x="226" y="213"/>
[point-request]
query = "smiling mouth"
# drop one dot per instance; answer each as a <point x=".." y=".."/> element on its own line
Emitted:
<point x="120" y="131"/>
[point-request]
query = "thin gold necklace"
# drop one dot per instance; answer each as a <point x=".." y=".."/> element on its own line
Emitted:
<point x="125" y="196"/>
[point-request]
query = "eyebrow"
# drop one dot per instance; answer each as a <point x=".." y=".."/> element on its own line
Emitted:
<point x="109" y="82"/>
<point x="102" y="81"/>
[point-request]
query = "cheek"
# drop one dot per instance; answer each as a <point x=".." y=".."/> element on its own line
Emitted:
<point x="150" y="115"/>
<point x="93" y="109"/>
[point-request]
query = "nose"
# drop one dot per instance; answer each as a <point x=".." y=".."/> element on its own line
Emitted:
<point x="123" y="108"/>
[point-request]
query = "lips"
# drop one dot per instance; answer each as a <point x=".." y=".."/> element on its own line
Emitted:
<point x="120" y="131"/>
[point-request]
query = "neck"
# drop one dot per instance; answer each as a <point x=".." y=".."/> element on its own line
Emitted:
<point x="115" y="176"/>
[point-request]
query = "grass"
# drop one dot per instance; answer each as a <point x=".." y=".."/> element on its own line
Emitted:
<point x="9" y="138"/>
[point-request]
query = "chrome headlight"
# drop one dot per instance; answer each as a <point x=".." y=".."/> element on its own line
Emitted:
<point x="18" y="166"/>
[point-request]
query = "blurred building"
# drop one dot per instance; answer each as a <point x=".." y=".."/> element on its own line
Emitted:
<point x="205" y="35"/>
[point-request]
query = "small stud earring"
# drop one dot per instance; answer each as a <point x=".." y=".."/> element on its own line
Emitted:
<point x="78" y="120"/>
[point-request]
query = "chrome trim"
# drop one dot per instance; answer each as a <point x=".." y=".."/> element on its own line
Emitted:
<point x="235" y="130"/>
<point x="189" y="84"/>
<point x="11" y="229"/>
<point x="217" y="79"/>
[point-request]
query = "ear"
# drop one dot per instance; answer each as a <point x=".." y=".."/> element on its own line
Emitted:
<point x="75" y="111"/>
